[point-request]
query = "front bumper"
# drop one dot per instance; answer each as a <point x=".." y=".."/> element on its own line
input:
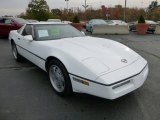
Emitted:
<point x="127" y="86"/>
<point x="110" y="91"/>
<point x="152" y="28"/>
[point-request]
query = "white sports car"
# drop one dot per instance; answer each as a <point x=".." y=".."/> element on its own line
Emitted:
<point x="78" y="63"/>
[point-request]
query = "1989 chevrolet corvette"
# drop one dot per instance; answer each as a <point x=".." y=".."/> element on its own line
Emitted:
<point x="79" y="63"/>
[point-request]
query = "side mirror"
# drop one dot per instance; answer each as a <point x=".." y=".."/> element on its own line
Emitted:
<point x="14" y="24"/>
<point x="28" y="37"/>
<point x="131" y="24"/>
<point x="83" y="33"/>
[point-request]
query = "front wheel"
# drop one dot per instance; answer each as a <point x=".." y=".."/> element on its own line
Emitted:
<point x="15" y="53"/>
<point x="59" y="78"/>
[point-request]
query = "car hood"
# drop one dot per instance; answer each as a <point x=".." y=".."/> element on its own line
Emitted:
<point x="98" y="54"/>
<point x="99" y="24"/>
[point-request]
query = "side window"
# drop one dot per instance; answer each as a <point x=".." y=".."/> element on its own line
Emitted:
<point x="27" y="30"/>
<point x="1" y="21"/>
<point x="7" y="21"/>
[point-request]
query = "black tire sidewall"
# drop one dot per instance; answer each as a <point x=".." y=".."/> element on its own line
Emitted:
<point x="19" y="57"/>
<point x="91" y="30"/>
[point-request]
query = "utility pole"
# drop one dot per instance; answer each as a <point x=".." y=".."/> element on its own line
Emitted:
<point x="125" y="10"/>
<point x="85" y="5"/>
<point x="67" y="3"/>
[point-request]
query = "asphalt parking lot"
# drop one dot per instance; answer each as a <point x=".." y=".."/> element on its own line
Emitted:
<point x="26" y="93"/>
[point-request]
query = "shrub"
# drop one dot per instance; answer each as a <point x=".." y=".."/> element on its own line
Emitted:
<point x="76" y="19"/>
<point x="141" y="19"/>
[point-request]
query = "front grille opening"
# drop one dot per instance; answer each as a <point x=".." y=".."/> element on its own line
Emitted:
<point x="121" y="84"/>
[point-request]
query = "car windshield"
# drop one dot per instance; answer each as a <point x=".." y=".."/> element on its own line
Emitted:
<point x="20" y="20"/>
<point x="32" y="21"/>
<point x="99" y="22"/>
<point x="56" y="31"/>
<point x="150" y="22"/>
<point x="109" y="22"/>
<point x="54" y="20"/>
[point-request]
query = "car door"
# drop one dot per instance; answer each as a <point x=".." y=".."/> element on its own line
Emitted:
<point x="30" y="49"/>
<point x="2" y="26"/>
<point x="7" y="26"/>
<point x="89" y="25"/>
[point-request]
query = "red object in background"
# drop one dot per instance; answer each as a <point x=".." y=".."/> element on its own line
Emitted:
<point x="8" y="23"/>
<point x="78" y="26"/>
<point x="105" y="10"/>
<point x="142" y="28"/>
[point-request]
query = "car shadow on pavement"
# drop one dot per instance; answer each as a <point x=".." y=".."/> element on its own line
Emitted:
<point x="3" y="38"/>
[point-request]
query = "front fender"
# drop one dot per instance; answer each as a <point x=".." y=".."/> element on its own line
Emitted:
<point x="73" y="65"/>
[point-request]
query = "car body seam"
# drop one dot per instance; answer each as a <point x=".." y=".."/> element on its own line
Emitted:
<point x="31" y="52"/>
<point x="112" y="83"/>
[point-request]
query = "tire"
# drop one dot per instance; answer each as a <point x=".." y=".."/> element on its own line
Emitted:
<point x="15" y="53"/>
<point x="59" y="78"/>
<point x="130" y="29"/>
<point x="91" y="30"/>
<point x="87" y="29"/>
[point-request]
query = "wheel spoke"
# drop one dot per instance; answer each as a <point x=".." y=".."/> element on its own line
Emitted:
<point x="57" y="78"/>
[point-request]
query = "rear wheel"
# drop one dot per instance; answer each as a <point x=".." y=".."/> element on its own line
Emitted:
<point x="91" y="30"/>
<point x="59" y="78"/>
<point x="15" y="53"/>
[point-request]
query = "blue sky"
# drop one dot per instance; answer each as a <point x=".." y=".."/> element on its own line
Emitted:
<point x="14" y="7"/>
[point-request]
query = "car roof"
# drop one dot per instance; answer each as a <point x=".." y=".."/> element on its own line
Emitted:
<point x="117" y="20"/>
<point x="7" y="17"/>
<point x="96" y="19"/>
<point x="150" y="22"/>
<point x="54" y="19"/>
<point x="47" y="23"/>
